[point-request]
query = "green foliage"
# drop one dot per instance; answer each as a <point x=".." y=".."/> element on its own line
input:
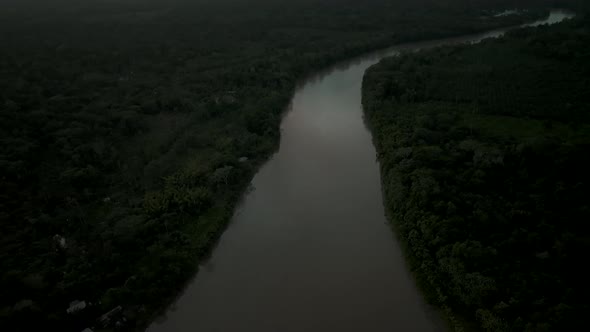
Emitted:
<point x="122" y="124"/>
<point x="483" y="152"/>
<point x="183" y="200"/>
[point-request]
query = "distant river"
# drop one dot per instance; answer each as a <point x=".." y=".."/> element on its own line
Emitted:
<point x="309" y="249"/>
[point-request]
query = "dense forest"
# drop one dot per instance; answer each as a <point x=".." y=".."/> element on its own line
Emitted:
<point x="129" y="130"/>
<point x="484" y="161"/>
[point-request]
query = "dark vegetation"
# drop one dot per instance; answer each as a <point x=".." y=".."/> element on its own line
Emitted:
<point x="129" y="129"/>
<point x="484" y="161"/>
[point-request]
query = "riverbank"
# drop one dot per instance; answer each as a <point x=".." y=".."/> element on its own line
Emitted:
<point x="481" y="161"/>
<point x="219" y="227"/>
<point x="224" y="285"/>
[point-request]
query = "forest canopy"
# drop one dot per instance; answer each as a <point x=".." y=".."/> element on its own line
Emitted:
<point x="484" y="160"/>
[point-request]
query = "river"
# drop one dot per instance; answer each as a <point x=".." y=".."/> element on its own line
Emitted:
<point x="309" y="248"/>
